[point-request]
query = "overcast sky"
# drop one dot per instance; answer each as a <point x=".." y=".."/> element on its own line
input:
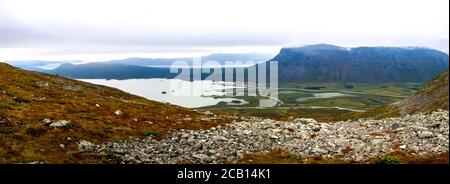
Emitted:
<point x="93" y="30"/>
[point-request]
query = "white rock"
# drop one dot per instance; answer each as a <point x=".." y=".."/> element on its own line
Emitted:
<point x="277" y="130"/>
<point x="61" y="123"/>
<point x="425" y="134"/>
<point x="46" y="121"/>
<point x="84" y="145"/>
<point x="36" y="162"/>
<point x="305" y="120"/>
<point x="118" y="112"/>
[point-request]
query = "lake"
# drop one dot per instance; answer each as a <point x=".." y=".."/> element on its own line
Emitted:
<point x="322" y="95"/>
<point x="174" y="91"/>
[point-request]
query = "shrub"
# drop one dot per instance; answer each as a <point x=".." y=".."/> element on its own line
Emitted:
<point x="150" y="133"/>
<point x="106" y="154"/>
<point x="19" y="99"/>
<point x="388" y="159"/>
<point x="35" y="130"/>
<point x="5" y="130"/>
<point x="5" y="106"/>
<point x="71" y="153"/>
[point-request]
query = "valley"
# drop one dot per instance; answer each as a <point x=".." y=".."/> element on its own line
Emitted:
<point x="293" y="98"/>
<point x="120" y="113"/>
<point x="318" y="100"/>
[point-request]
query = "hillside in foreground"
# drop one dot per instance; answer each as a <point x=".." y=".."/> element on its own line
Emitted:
<point x="414" y="130"/>
<point x="418" y="138"/>
<point x="43" y="117"/>
<point x="433" y="96"/>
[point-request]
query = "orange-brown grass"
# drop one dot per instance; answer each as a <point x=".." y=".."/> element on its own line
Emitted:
<point x="409" y="158"/>
<point x="285" y="157"/>
<point x="25" y="102"/>
<point x="271" y="157"/>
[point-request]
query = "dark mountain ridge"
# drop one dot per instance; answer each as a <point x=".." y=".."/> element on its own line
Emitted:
<point x="312" y="63"/>
<point x="328" y="63"/>
<point x="110" y="71"/>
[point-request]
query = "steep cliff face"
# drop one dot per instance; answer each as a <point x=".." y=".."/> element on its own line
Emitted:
<point x="328" y="63"/>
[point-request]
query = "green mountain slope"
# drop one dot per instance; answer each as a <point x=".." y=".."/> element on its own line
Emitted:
<point x="431" y="97"/>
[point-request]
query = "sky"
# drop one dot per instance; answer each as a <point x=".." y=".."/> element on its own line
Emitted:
<point x="97" y="30"/>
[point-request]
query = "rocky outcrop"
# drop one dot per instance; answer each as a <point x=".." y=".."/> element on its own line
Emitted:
<point x="350" y="140"/>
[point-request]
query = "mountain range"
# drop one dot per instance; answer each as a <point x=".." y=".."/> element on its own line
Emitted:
<point x="328" y="63"/>
<point x="104" y="70"/>
<point x="312" y="63"/>
<point x="221" y="58"/>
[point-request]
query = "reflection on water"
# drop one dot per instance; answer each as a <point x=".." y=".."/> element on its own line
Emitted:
<point x="321" y="95"/>
<point x="174" y="91"/>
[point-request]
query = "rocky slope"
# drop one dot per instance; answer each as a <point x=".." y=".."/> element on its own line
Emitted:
<point x="351" y="141"/>
<point x="328" y="63"/>
<point x="356" y="141"/>
<point x="43" y="116"/>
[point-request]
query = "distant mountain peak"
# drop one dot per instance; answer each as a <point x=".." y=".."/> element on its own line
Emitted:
<point x="323" y="46"/>
<point x="314" y="49"/>
<point x="66" y="65"/>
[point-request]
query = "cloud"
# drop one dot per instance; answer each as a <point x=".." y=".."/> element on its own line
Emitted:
<point x="81" y="28"/>
<point x="443" y="44"/>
